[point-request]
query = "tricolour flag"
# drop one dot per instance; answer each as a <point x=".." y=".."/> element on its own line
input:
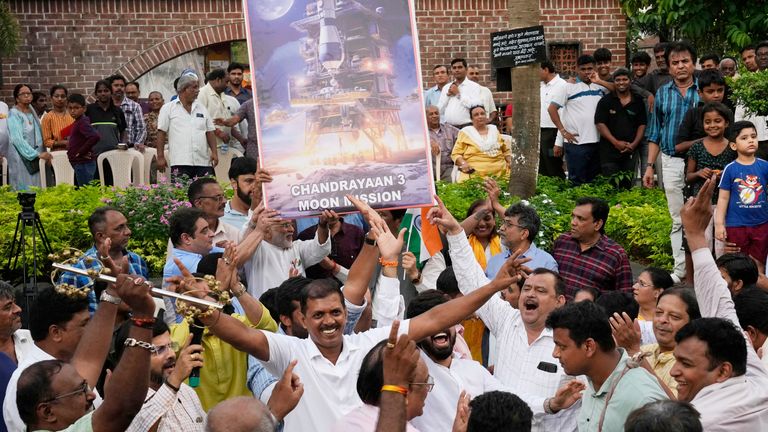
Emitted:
<point x="422" y="237"/>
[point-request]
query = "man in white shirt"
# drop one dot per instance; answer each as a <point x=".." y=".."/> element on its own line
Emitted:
<point x="279" y="254"/>
<point x="458" y="96"/>
<point x="451" y="374"/>
<point x="577" y="126"/>
<point x="524" y="362"/>
<point x="717" y="370"/>
<point x="328" y="360"/>
<point x="473" y="73"/>
<point x="551" y="84"/>
<point x="211" y="97"/>
<point x="188" y="129"/>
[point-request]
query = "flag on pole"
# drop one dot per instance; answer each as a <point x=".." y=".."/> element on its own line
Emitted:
<point x="422" y="238"/>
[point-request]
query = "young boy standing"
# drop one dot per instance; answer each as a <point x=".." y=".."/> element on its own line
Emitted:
<point x="81" y="141"/>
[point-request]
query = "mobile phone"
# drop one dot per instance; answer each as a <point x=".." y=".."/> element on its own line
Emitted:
<point x="547" y="367"/>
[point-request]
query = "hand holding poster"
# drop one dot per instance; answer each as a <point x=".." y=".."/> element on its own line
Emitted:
<point x="338" y="100"/>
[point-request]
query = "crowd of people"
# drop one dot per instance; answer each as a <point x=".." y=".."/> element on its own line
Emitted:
<point x="328" y="323"/>
<point x="182" y="131"/>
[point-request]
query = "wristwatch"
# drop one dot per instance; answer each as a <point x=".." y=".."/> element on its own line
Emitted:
<point x="370" y="241"/>
<point x="237" y="293"/>
<point x="109" y="298"/>
<point x="652" y="165"/>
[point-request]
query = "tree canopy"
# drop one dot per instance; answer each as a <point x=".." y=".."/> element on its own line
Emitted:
<point x="715" y="26"/>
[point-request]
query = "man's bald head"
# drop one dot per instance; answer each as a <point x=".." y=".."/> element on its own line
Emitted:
<point x="240" y="414"/>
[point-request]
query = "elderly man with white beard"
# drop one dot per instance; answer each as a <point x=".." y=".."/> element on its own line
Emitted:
<point x="278" y="256"/>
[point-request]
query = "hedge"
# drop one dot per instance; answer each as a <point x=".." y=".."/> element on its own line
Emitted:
<point x="638" y="219"/>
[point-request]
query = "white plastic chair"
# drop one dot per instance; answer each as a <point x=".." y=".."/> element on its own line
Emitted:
<point x="225" y="161"/>
<point x="437" y="167"/>
<point x="62" y="170"/>
<point x="125" y="164"/>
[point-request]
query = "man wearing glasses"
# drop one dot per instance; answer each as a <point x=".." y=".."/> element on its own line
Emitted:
<point x="170" y="404"/>
<point x="74" y="346"/>
<point x="518" y="232"/>
<point x="207" y="195"/>
<point x="279" y="257"/>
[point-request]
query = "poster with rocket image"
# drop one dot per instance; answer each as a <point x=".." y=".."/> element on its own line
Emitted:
<point x="337" y="92"/>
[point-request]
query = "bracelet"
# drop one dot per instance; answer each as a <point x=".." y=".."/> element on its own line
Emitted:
<point x="174" y="388"/>
<point x="131" y="342"/>
<point x="109" y="298"/>
<point x="146" y="323"/>
<point x="652" y="165"/>
<point x="240" y="292"/>
<point x="395" y="389"/>
<point x="385" y="263"/>
<point x="548" y="406"/>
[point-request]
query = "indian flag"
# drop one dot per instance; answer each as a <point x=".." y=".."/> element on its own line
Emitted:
<point x="422" y="238"/>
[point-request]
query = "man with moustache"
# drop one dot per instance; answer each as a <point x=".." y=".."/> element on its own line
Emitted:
<point x="717" y="369"/>
<point x="524" y="362"/>
<point x="328" y="361"/>
<point x="277" y="254"/>
<point x="170" y="405"/>
<point x="442" y="138"/>
<point x="673" y="100"/>
<point x="518" y="231"/>
<point x="451" y="374"/>
<point x="134" y="117"/>
<point x="432" y="95"/>
<point x="206" y="194"/>
<point x="749" y="59"/>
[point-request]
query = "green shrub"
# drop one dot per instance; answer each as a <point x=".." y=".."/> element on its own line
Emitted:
<point x="639" y="219"/>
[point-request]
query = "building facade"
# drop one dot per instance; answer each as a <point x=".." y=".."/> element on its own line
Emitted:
<point x="77" y="42"/>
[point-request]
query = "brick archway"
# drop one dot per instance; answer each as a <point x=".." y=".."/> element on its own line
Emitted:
<point x="180" y="44"/>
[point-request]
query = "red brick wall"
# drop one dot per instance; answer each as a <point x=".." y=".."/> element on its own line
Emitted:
<point x="77" y="42"/>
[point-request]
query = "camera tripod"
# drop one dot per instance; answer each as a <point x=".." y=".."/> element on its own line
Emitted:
<point x="28" y="217"/>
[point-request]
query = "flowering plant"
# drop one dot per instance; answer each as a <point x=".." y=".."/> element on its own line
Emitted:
<point x="149" y="207"/>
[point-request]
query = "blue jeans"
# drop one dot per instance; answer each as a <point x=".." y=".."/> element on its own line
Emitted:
<point x="583" y="162"/>
<point x="84" y="173"/>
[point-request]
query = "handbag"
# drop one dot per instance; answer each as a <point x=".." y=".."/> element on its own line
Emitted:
<point x="32" y="166"/>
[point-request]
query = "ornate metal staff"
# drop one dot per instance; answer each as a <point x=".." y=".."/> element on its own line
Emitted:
<point x="156" y="291"/>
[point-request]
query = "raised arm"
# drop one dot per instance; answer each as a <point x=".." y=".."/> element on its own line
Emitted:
<point x="228" y="329"/>
<point x="125" y="391"/>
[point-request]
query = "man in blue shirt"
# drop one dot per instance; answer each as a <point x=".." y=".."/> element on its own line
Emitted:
<point x="518" y="232"/>
<point x="432" y="95"/>
<point x="109" y="229"/>
<point x="192" y="239"/>
<point x="673" y="100"/>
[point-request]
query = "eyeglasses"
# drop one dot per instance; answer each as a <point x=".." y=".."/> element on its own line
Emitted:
<point x="82" y="389"/>
<point x="162" y="349"/>
<point x="218" y="198"/>
<point x="643" y="284"/>
<point x="25" y="94"/>
<point x="507" y="224"/>
<point x="430" y="384"/>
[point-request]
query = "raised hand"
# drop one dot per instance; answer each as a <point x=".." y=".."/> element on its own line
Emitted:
<point x="190" y="357"/>
<point x="136" y="293"/>
<point x="443" y="219"/>
<point x="365" y="210"/>
<point x="461" y="421"/>
<point x="512" y="271"/>
<point x="409" y="265"/>
<point x="226" y="268"/>
<point x="286" y="394"/>
<point x="400" y="358"/>
<point x="567" y="395"/>
<point x="697" y="211"/>
<point x="328" y="218"/>
<point x="626" y="332"/>
<point x="389" y="245"/>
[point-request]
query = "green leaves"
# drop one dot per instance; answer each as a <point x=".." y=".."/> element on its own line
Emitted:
<point x="639" y="219"/>
<point x="712" y="25"/>
<point x="750" y="89"/>
<point x="10" y="33"/>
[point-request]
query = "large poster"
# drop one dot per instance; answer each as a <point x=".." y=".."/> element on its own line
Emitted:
<point x="339" y="110"/>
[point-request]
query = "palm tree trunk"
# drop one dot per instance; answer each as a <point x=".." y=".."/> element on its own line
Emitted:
<point x="525" y="88"/>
